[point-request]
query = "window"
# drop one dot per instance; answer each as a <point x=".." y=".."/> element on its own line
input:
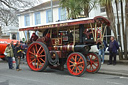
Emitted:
<point x="13" y="36"/>
<point x="17" y="36"/>
<point x="48" y="16"/>
<point x="27" y="20"/>
<point x="37" y="18"/>
<point x="107" y="35"/>
<point x="102" y="9"/>
<point x="62" y="14"/>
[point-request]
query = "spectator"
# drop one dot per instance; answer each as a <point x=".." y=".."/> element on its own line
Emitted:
<point x="12" y="44"/>
<point x="113" y="47"/>
<point x="15" y="47"/>
<point x="24" y="47"/>
<point x="18" y="51"/>
<point x="9" y="55"/>
<point x="16" y="44"/>
<point x="101" y="45"/>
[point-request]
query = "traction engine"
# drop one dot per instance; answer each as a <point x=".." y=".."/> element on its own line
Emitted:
<point x="67" y="43"/>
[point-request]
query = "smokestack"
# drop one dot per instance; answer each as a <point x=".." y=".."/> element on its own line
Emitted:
<point x="81" y="28"/>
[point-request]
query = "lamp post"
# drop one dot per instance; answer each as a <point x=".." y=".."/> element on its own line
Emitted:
<point x="52" y="10"/>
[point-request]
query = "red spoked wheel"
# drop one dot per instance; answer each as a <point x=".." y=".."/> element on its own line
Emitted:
<point x="93" y="63"/>
<point x="76" y="64"/>
<point x="37" y="56"/>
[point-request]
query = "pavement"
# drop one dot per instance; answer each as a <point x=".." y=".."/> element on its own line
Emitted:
<point x="120" y="69"/>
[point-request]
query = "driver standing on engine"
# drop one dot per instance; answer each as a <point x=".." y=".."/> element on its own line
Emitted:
<point x="34" y="37"/>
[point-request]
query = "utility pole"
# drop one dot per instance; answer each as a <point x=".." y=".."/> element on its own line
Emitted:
<point x="0" y="32"/>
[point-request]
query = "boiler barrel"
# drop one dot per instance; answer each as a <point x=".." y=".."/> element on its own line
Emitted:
<point x="64" y="48"/>
<point x="76" y="48"/>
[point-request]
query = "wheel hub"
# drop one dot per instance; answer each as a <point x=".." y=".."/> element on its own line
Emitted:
<point x="75" y="64"/>
<point x="36" y="55"/>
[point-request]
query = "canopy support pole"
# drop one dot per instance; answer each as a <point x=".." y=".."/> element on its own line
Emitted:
<point x="24" y="35"/>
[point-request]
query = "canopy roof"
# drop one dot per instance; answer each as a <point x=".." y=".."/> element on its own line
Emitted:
<point x="99" y="20"/>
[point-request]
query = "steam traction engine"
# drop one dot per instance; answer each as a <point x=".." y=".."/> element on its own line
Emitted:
<point x="67" y="42"/>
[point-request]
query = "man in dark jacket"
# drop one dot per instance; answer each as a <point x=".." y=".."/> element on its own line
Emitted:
<point x="12" y="44"/>
<point x="18" y="51"/>
<point x="113" y="47"/>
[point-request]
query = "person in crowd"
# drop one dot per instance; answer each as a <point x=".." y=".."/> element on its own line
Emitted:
<point x="16" y="44"/>
<point x="101" y="45"/>
<point x="18" y="53"/>
<point x="113" y="47"/>
<point x="15" y="47"/>
<point x="12" y="44"/>
<point x="9" y="55"/>
<point x="34" y="37"/>
<point x="24" y="47"/>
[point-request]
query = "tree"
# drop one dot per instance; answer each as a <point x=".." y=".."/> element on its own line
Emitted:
<point x="75" y="7"/>
<point x="10" y="8"/>
<point x="17" y="4"/>
<point x="72" y="6"/>
<point x="8" y="17"/>
<point x="110" y="14"/>
<point x="118" y="27"/>
<point x="126" y="27"/>
<point x="87" y="6"/>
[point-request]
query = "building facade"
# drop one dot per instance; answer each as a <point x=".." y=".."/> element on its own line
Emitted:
<point x="40" y="15"/>
<point x="10" y="32"/>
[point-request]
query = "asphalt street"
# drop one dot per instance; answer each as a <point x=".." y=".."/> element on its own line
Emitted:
<point x="54" y="77"/>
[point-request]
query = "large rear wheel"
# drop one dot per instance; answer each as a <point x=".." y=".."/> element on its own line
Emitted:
<point x="76" y="64"/>
<point x="37" y="56"/>
<point x="93" y="63"/>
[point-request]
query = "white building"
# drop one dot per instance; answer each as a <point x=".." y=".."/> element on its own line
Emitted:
<point x="11" y="31"/>
<point x="41" y="14"/>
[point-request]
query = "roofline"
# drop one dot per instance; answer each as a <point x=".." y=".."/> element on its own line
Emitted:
<point x="67" y="23"/>
<point x="37" y="10"/>
<point x="24" y="12"/>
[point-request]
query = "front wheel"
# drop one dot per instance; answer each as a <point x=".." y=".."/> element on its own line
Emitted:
<point x="76" y="64"/>
<point x="37" y="56"/>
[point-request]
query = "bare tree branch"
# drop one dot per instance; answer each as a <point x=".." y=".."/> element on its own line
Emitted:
<point x="9" y="9"/>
